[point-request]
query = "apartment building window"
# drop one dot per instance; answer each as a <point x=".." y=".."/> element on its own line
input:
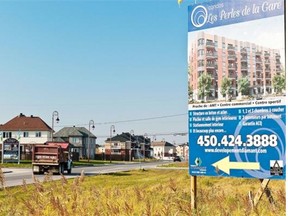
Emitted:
<point x="200" y="52"/>
<point x="200" y="41"/>
<point x="200" y="63"/>
<point x="38" y="134"/>
<point x="7" y="134"/>
<point x="25" y="134"/>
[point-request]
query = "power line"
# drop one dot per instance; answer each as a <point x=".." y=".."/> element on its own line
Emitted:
<point x="155" y="134"/>
<point x="129" y="120"/>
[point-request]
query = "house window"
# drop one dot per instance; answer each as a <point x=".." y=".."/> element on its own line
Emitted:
<point x="38" y="134"/>
<point x="75" y="140"/>
<point x="7" y="134"/>
<point x="25" y="134"/>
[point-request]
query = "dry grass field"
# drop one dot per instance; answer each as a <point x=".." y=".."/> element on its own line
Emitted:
<point x="158" y="192"/>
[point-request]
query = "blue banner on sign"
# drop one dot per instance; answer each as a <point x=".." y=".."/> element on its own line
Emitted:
<point x="219" y="13"/>
<point x="247" y="142"/>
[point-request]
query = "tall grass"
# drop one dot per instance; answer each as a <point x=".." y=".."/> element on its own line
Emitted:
<point x="139" y="192"/>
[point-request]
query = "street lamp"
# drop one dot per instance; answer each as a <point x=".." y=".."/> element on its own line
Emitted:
<point x="144" y="147"/>
<point x="91" y="122"/>
<point x="131" y="132"/>
<point x="54" y="114"/>
<point x="112" y="130"/>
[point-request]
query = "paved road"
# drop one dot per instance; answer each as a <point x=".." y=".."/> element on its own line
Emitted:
<point x="14" y="177"/>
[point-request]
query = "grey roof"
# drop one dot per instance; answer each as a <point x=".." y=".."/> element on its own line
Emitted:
<point x="124" y="137"/>
<point x="74" y="132"/>
<point x="58" y="139"/>
<point x="161" y="143"/>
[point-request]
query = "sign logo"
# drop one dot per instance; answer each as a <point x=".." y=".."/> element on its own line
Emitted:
<point x="199" y="16"/>
<point x="198" y="161"/>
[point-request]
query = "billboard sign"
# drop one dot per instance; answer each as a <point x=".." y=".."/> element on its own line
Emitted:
<point x="11" y="150"/>
<point x="237" y="89"/>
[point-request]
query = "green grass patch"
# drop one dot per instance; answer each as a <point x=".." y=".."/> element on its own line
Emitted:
<point x="176" y="164"/>
<point x="160" y="192"/>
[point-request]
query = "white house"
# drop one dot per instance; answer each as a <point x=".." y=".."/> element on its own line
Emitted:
<point x="29" y="130"/>
<point x="163" y="150"/>
<point x="183" y="151"/>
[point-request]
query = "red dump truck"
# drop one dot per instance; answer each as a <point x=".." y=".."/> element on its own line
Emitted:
<point x="51" y="157"/>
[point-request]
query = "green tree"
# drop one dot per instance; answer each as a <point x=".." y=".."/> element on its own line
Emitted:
<point x="204" y="84"/>
<point x="243" y="85"/>
<point x="225" y="87"/>
<point x="190" y="87"/>
<point x="190" y="93"/>
<point x="279" y="82"/>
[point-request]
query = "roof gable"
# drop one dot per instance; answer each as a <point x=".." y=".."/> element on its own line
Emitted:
<point x="25" y="123"/>
<point x="74" y="132"/>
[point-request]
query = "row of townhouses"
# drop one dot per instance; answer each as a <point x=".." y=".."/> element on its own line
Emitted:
<point x="32" y="130"/>
<point x="222" y="57"/>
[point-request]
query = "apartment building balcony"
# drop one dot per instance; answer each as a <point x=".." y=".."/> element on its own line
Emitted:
<point x="231" y="67"/>
<point x="231" y="57"/>
<point x="258" y="60"/>
<point x="259" y="69"/>
<point x="210" y="44"/>
<point x="268" y="75"/>
<point x="230" y="48"/>
<point x="244" y="74"/>
<point x="258" y="53"/>
<point x="210" y="55"/>
<point x="211" y="73"/>
<point x="243" y="59"/>
<point x="210" y="66"/>
<point x="277" y="56"/>
<point x="266" y="54"/>
<point x="259" y="78"/>
<point x="267" y="69"/>
<point x="258" y="73"/>
<point x="244" y="68"/>
<point x="267" y="62"/>
<point x="243" y="51"/>
<point x="268" y="84"/>
<point x="232" y="76"/>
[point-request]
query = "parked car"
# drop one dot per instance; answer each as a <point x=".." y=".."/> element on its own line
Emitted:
<point x="177" y="158"/>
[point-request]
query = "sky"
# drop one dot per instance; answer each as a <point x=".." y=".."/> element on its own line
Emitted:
<point x="115" y="62"/>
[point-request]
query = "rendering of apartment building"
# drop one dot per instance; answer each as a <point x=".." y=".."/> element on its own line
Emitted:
<point x="221" y="57"/>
